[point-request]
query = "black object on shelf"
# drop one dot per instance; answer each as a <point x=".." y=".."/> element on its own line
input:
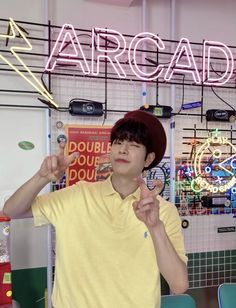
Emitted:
<point x="159" y="111"/>
<point x="85" y="108"/>
<point x="220" y="115"/>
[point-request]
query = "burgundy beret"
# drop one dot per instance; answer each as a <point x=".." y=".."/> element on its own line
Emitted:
<point x="155" y="129"/>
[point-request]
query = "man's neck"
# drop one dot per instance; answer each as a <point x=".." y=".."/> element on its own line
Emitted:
<point x="123" y="185"/>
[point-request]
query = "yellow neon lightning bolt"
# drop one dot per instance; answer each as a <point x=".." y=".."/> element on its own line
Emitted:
<point x="35" y="83"/>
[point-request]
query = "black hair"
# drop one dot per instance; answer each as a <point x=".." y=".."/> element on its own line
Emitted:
<point x="132" y="130"/>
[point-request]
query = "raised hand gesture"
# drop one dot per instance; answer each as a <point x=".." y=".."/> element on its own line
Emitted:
<point x="54" y="166"/>
<point x="147" y="208"/>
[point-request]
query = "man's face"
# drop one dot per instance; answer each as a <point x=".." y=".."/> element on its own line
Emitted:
<point x="128" y="157"/>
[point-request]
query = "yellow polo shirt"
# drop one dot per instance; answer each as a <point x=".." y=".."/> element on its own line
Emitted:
<point x="104" y="255"/>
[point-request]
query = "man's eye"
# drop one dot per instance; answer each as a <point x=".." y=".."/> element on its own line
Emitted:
<point x="117" y="142"/>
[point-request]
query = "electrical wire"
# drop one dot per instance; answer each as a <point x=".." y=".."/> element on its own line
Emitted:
<point x="183" y="95"/>
<point x="85" y="100"/>
<point x="233" y="77"/>
<point x="68" y="43"/>
<point x="220" y="98"/>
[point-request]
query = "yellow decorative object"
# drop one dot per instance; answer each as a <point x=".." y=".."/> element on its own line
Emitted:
<point x="9" y="293"/>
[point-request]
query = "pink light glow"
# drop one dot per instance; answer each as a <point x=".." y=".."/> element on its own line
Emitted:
<point x="57" y="55"/>
<point x="132" y="55"/>
<point x="183" y="48"/>
<point x="110" y="46"/>
<point x="100" y="50"/>
<point x="208" y="46"/>
<point x="64" y="42"/>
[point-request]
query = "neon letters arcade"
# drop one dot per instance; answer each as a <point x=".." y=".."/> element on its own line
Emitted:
<point x="114" y="53"/>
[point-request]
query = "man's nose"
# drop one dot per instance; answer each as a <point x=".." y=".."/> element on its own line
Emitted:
<point x="123" y="148"/>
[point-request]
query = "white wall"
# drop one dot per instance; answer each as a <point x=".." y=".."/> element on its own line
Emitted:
<point x="196" y="20"/>
<point x="25" y="10"/>
<point x="28" y="244"/>
<point x="214" y="20"/>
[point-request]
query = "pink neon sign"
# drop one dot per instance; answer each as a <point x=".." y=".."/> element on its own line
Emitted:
<point x="99" y="51"/>
<point x="190" y="66"/>
<point x="111" y="45"/>
<point x="138" y="40"/>
<point x="208" y="47"/>
<point x="60" y="56"/>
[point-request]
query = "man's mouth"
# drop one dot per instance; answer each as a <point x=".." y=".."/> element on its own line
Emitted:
<point x="121" y="160"/>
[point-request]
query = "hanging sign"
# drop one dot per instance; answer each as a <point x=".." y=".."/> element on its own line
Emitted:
<point x="123" y="56"/>
<point x="213" y="172"/>
<point x="118" y="52"/>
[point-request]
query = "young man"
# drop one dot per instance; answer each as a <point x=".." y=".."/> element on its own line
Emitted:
<point x="115" y="237"/>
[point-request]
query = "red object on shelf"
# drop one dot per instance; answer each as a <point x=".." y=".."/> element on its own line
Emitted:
<point x="5" y="265"/>
<point x="5" y="284"/>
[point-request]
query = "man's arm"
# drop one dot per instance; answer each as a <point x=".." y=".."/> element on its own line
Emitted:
<point x="173" y="269"/>
<point x="52" y="169"/>
<point x="19" y="204"/>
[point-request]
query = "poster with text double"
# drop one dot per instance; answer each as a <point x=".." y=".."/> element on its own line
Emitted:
<point x="93" y="144"/>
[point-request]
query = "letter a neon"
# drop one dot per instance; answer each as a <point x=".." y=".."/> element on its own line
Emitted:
<point x="183" y="49"/>
<point x="60" y="54"/>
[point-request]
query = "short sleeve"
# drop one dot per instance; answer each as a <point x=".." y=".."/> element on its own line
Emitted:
<point x="51" y="207"/>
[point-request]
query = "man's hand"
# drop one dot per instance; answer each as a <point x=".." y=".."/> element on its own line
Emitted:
<point x="53" y="167"/>
<point x="147" y="208"/>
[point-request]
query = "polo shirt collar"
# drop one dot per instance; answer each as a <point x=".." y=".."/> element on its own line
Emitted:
<point x="108" y="189"/>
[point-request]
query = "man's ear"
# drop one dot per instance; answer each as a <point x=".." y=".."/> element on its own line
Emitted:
<point x="149" y="159"/>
